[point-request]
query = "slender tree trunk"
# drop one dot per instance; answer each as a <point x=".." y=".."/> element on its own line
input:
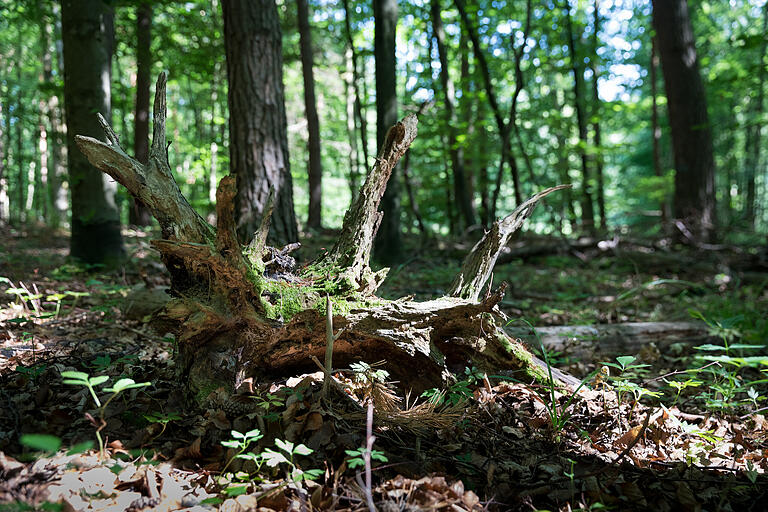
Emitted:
<point x="587" y="208"/>
<point x="656" y="130"/>
<point x="388" y="248"/>
<point x="351" y="118"/>
<point x="3" y="181"/>
<point x="95" y="222"/>
<point x="217" y="140"/>
<point x="138" y="214"/>
<point x="694" y="202"/>
<point x="466" y="116"/>
<point x="752" y="142"/>
<point x="55" y="170"/>
<point x="502" y="126"/>
<point x="41" y="172"/>
<point x="313" y="124"/>
<point x="568" y="211"/>
<point x="258" y="138"/>
<point x="596" y="116"/>
<point x="411" y="194"/>
<point x="21" y="181"/>
<point x="455" y="150"/>
<point x="356" y="78"/>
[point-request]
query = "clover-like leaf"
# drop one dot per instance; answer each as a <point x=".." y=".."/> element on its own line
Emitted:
<point x="286" y="446"/>
<point x="302" y="450"/>
<point x="273" y="458"/>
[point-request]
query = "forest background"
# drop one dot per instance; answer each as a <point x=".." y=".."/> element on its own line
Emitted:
<point x="553" y="93"/>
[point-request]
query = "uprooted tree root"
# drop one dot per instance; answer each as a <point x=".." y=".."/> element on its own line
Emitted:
<point x="244" y="313"/>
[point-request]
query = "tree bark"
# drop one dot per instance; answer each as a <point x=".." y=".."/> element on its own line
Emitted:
<point x="138" y="214"/>
<point x="95" y="221"/>
<point x="258" y="138"/>
<point x="455" y="150"/>
<point x="694" y="200"/>
<point x="389" y="245"/>
<point x="313" y="125"/>
<point x="752" y="142"/>
<point x="587" y="208"/>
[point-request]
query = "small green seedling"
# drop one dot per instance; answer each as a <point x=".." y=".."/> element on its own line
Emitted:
<point x="357" y="457"/>
<point x="286" y="455"/>
<point x="240" y="442"/>
<point x="75" y="378"/>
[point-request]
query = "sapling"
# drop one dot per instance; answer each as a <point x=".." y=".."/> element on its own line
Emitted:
<point x="75" y="378"/>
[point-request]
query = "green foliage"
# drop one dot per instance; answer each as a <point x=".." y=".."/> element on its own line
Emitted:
<point x="41" y="442"/>
<point x="76" y="378"/>
<point x="357" y="457"/>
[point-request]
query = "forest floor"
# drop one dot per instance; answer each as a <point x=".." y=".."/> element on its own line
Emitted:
<point x="673" y="429"/>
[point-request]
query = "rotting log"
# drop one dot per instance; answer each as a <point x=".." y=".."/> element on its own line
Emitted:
<point x="583" y="341"/>
<point x="245" y="314"/>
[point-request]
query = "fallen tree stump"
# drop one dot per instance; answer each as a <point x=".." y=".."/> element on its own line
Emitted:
<point x="583" y="341"/>
<point x="246" y="314"/>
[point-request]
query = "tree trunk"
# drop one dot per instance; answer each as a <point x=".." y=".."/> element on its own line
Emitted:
<point x="258" y="138"/>
<point x="389" y="245"/>
<point x="21" y="181"/>
<point x="587" y="208"/>
<point x="694" y="201"/>
<point x="359" y="114"/>
<point x="57" y="193"/>
<point x="466" y="118"/>
<point x="95" y="222"/>
<point x="138" y="214"/>
<point x="752" y="142"/>
<point x="656" y="131"/>
<point x="596" y="116"/>
<point x="313" y="125"/>
<point x="240" y="313"/>
<point x="455" y="150"/>
<point x="351" y="119"/>
<point x="502" y="126"/>
<point x="3" y="181"/>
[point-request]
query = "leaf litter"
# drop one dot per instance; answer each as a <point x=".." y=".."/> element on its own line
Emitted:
<point x="492" y="448"/>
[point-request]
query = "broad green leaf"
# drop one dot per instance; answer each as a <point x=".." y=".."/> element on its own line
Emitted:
<point x="41" y="442"/>
<point x="253" y="434"/>
<point x="286" y="446"/>
<point x="235" y="490"/>
<point x="303" y="449"/>
<point x="80" y="448"/>
<point x="75" y="375"/>
<point x="99" y="380"/>
<point x="273" y="458"/>
<point x="625" y="361"/>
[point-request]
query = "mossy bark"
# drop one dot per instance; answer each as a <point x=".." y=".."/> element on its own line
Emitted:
<point x="244" y="314"/>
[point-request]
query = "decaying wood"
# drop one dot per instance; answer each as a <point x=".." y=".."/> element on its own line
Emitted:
<point x="152" y="184"/>
<point x="478" y="265"/>
<point x="614" y="339"/>
<point x="243" y="313"/>
<point x="361" y="222"/>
